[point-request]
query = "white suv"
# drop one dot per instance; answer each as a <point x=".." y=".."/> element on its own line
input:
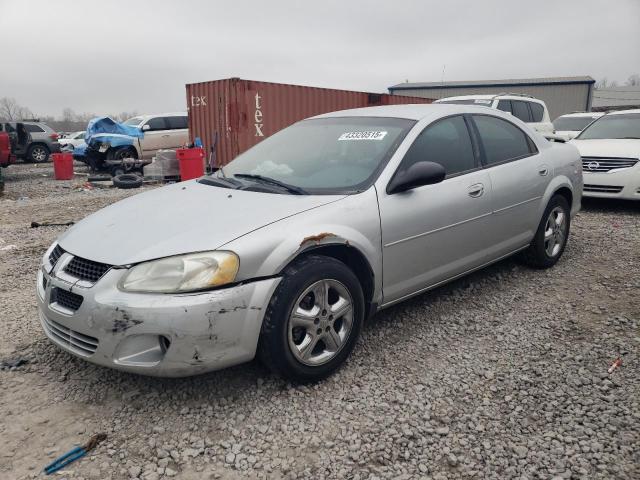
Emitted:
<point x="166" y="130"/>
<point x="525" y="107"/>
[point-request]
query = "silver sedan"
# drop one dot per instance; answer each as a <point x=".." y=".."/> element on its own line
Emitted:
<point x="287" y="250"/>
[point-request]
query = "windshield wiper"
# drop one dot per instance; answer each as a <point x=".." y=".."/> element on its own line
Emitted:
<point x="219" y="182"/>
<point x="272" y="181"/>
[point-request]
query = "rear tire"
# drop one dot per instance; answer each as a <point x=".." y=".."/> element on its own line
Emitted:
<point x="552" y="235"/>
<point x="37" y="154"/>
<point x="307" y="336"/>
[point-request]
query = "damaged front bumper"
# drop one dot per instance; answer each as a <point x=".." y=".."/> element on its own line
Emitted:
<point x="151" y="334"/>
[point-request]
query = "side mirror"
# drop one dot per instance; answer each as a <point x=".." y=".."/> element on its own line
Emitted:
<point x="146" y="127"/>
<point x="417" y="175"/>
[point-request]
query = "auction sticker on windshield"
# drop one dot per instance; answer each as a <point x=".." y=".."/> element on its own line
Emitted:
<point x="370" y="135"/>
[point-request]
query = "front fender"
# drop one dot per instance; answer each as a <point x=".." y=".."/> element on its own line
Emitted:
<point x="353" y="221"/>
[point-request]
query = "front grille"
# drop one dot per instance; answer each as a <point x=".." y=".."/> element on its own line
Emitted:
<point x="606" y="164"/>
<point x="55" y="255"/>
<point x="602" y="188"/>
<point x="86" y="269"/>
<point x="75" y="341"/>
<point x="66" y="299"/>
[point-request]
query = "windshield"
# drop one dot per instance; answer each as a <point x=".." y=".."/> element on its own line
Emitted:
<point x="323" y="156"/>
<point x="572" y="124"/>
<point x="613" y="126"/>
<point x="469" y="101"/>
<point x="135" y="121"/>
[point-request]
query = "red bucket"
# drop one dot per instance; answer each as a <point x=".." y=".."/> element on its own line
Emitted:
<point x="62" y="166"/>
<point x="191" y="162"/>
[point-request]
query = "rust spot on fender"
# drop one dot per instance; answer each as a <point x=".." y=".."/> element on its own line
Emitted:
<point x="317" y="238"/>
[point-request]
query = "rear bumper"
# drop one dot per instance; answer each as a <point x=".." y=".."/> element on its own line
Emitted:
<point x="621" y="183"/>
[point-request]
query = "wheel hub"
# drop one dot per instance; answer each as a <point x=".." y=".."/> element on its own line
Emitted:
<point x="320" y="322"/>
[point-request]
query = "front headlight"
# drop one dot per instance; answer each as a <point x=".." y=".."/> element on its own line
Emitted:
<point x="182" y="273"/>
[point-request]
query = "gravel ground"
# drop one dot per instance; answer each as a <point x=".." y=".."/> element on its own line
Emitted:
<point x="502" y="374"/>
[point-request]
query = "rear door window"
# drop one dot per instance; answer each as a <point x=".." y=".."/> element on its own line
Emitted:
<point x="446" y="142"/>
<point x="502" y="141"/>
<point x="521" y="110"/>
<point x="33" y="128"/>
<point x="157" y="123"/>
<point x="537" y="111"/>
<point x="177" y="123"/>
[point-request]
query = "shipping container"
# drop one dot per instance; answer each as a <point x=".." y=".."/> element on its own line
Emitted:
<point x="235" y="114"/>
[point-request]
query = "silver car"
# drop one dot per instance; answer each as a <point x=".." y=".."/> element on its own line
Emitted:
<point x="287" y="250"/>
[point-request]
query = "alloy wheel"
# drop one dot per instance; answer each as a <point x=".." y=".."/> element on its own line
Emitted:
<point x="320" y="322"/>
<point x="38" y="154"/>
<point x="555" y="231"/>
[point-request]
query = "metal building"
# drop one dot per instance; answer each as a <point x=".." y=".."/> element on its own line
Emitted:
<point x="616" y="98"/>
<point x="561" y="94"/>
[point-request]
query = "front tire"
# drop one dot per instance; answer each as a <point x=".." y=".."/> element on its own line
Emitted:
<point x="552" y="235"/>
<point x="313" y="320"/>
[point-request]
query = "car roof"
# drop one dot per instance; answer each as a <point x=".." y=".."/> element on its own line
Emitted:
<point x="622" y="112"/>
<point x="581" y="114"/>
<point x="147" y="116"/>
<point x="483" y="96"/>
<point x="412" y="111"/>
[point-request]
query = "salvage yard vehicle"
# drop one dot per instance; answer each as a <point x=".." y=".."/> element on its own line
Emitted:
<point x="570" y="125"/>
<point x="610" y="149"/>
<point x="110" y="143"/>
<point x="72" y="140"/>
<point x="35" y="140"/>
<point x="285" y="251"/>
<point x="530" y="110"/>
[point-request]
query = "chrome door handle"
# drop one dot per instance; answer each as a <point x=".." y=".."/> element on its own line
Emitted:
<point x="476" y="190"/>
<point x="543" y="171"/>
<point x="166" y="136"/>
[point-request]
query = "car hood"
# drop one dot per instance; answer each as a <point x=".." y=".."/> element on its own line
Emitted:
<point x="181" y="218"/>
<point x="608" y="147"/>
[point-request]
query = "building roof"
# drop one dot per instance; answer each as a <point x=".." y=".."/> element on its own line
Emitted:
<point x="525" y="82"/>
<point x="617" y="97"/>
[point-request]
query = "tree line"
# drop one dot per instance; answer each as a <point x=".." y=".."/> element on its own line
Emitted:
<point x="69" y="120"/>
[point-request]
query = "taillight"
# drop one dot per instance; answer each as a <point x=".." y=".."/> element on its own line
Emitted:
<point x="53" y="136"/>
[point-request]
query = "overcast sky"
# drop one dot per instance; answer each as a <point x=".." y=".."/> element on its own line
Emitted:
<point x="110" y="56"/>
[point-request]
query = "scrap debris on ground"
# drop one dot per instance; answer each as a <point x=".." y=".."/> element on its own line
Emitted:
<point x="503" y="374"/>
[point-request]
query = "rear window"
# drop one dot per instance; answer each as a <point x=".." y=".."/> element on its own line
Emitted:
<point x="31" y="128"/>
<point x="176" y="123"/>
